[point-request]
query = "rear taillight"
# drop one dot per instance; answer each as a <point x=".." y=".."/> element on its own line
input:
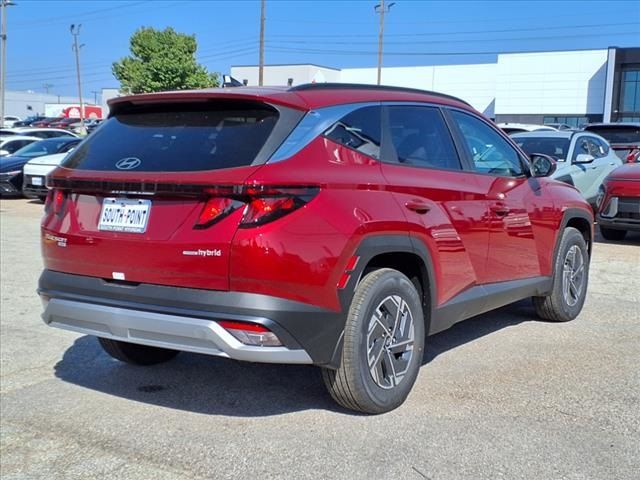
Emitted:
<point x="251" y="333"/>
<point x="55" y="202"/>
<point x="261" y="205"/>
<point x="215" y="209"/>
<point x="267" y="205"/>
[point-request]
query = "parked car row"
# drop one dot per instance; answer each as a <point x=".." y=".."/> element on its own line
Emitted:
<point x="17" y="177"/>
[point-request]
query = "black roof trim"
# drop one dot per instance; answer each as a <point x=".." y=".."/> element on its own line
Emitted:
<point x="363" y="86"/>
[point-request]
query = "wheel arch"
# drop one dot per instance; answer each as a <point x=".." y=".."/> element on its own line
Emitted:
<point x="582" y="221"/>
<point x="400" y="252"/>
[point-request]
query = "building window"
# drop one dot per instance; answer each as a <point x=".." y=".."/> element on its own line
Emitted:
<point x="572" y="121"/>
<point x="629" y="100"/>
<point x="631" y="91"/>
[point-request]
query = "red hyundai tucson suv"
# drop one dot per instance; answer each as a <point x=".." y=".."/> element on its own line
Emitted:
<point x="329" y="224"/>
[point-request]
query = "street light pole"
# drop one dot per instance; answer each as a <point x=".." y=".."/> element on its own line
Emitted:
<point x="381" y="9"/>
<point x="75" y="31"/>
<point x="3" y="62"/>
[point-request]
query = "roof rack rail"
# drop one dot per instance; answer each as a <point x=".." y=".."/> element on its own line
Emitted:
<point x="357" y="86"/>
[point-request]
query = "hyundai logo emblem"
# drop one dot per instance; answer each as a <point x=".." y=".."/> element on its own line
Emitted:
<point x="128" y="163"/>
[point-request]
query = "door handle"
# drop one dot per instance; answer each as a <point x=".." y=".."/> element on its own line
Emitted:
<point x="499" y="209"/>
<point x="417" y="206"/>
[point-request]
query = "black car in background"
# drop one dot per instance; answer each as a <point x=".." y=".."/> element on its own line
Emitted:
<point x="11" y="165"/>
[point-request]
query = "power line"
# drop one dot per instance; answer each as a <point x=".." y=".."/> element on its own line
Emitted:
<point x="423" y="42"/>
<point x="47" y="22"/>
<point x="428" y="22"/>
<point x="405" y="53"/>
<point x="79" y="15"/>
<point x="432" y="34"/>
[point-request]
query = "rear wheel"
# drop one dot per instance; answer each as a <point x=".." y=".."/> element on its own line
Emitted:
<point x="383" y="344"/>
<point x="613" y="234"/>
<point x="570" y="279"/>
<point x="136" y="354"/>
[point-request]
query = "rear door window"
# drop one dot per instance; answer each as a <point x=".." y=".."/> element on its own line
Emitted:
<point x="178" y="138"/>
<point x="421" y="138"/>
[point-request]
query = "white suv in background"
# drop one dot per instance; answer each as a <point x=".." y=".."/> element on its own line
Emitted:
<point x="584" y="159"/>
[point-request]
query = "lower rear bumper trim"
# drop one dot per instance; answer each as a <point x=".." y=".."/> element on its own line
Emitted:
<point x="161" y="330"/>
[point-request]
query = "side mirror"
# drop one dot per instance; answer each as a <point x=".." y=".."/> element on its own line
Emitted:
<point x="3" y="153"/>
<point x="584" y="158"/>
<point x="542" y="165"/>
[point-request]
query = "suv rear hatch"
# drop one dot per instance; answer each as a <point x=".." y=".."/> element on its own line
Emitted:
<point x="156" y="194"/>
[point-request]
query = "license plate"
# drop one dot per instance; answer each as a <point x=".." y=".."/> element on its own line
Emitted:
<point x="124" y="215"/>
<point x="37" y="181"/>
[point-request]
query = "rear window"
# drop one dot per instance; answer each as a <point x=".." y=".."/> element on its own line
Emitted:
<point x="178" y="138"/>
<point x="556" y="147"/>
<point x="617" y="134"/>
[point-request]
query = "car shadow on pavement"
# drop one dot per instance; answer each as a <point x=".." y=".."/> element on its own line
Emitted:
<point x="218" y="386"/>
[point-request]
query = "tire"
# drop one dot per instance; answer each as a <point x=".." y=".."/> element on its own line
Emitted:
<point x="135" y="354"/>
<point x="612" y="234"/>
<point x="42" y="198"/>
<point x="565" y="301"/>
<point x="380" y="293"/>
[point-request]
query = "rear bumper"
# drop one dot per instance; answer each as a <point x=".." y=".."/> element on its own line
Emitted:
<point x="34" y="191"/>
<point x="187" y="319"/>
<point x="160" y="330"/>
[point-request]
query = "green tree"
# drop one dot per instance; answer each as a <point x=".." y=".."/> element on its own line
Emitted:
<point x="162" y="60"/>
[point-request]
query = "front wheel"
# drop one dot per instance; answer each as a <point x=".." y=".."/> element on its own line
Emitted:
<point x="383" y="344"/>
<point x="570" y="279"/>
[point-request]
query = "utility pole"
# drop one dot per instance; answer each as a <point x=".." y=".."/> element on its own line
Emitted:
<point x="261" y="61"/>
<point x="95" y="96"/>
<point x="75" y="31"/>
<point x="3" y="62"/>
<point x="46" y="87"/>
<point x="381" y="9"/>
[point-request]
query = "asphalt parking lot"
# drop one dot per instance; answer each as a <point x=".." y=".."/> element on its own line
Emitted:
<point x="500" y="396"/>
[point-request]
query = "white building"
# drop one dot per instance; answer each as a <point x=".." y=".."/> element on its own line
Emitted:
<point x="26" y="104"/>
<point x="572" y="87"/>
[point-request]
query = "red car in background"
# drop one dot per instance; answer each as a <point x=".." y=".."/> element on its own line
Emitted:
<point x="64" y="122"/>
<point x="619" y="202"/>
<point x="45" y="122"/>
<point x="624" y="138"/>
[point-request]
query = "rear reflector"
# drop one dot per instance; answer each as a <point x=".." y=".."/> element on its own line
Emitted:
<point x="251" y="333"/>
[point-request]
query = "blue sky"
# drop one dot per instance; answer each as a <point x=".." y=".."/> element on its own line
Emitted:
<point x="332" y="33"/>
